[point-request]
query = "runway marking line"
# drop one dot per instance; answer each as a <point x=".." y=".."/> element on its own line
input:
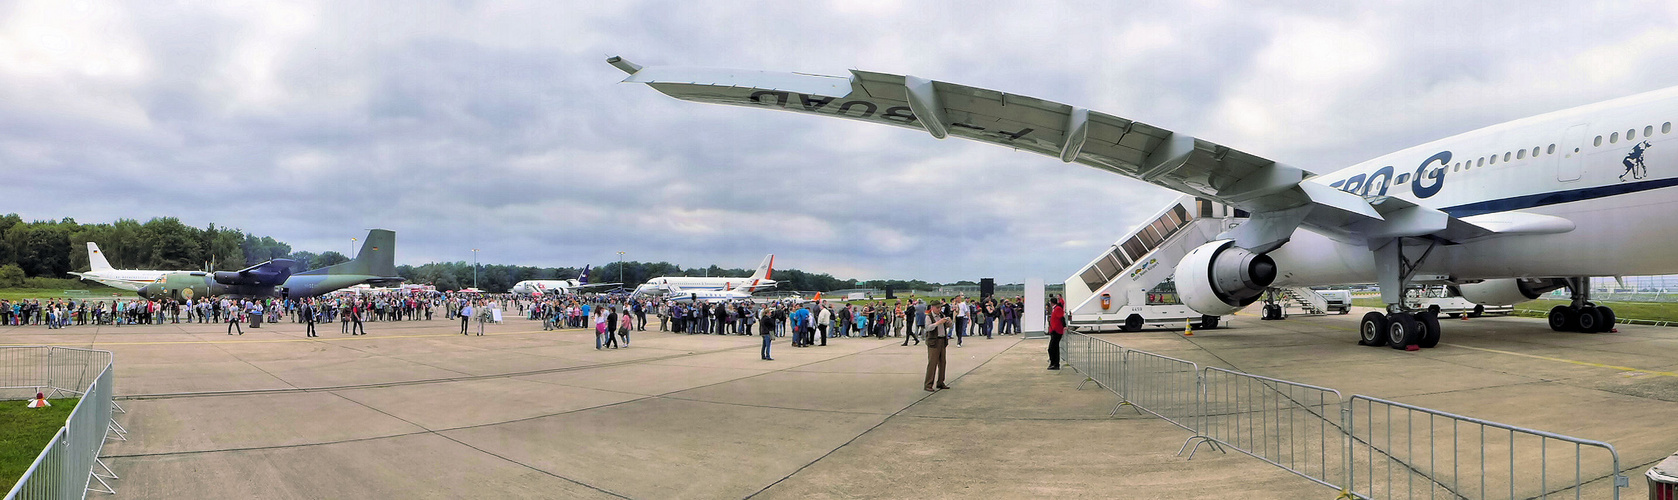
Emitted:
<point x="275" y="341"/>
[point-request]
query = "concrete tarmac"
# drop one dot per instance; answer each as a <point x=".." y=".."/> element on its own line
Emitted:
<point x="416" y="410"/>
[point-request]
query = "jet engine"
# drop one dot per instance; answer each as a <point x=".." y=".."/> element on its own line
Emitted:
<point x="239" y="278"/>
<point x="1508" y="291"/>
<point x="1219" y="278"/>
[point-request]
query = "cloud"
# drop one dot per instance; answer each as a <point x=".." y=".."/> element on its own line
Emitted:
<point x="497" y="125"/>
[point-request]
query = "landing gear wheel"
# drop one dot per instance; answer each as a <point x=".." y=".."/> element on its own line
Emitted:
<point x="1607" y="318"/>
<point x="1133" y="323"/>
<point x="1208" y="322"/>
<point x="1402" y="330"/>
<point x="1269" y="312"/>
<point x="1561" y="318"/>
<point x="1586" y="320"/>
<point x="1372" y="330"/>
<point x="1478" y="310"/>
<point x="1429" y="324"/>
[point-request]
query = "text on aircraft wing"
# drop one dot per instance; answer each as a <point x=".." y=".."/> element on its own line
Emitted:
<point x="1272" y="191"/>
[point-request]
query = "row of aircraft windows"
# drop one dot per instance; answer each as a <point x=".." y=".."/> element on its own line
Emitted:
<point x="1648" y="131"/>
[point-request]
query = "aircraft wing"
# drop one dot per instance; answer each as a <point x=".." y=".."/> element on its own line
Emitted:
<point x="271" y="273"/>
<point x="591" y="285"/>
<point x="387" y="280"/>
<point x="1273" y="192"/>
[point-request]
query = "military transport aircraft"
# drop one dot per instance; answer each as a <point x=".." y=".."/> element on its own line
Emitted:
<point x="375" y="265"/>
<point x="1503" y="213"/>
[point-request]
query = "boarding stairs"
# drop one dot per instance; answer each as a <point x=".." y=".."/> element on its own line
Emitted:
<point x="1306" y="299"/>
<point x="1143" y="258"/>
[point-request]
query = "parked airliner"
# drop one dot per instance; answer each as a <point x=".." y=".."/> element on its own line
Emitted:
<point x="757" y="281"/>
<point x="126" y="279"/>
<point x="1503" y="213"/>
<point x="539" y="288"/>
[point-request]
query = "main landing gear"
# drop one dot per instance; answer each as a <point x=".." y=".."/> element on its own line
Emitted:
<point x="1582" y="316"/>
<point x="1400" y="327"/>
<point x="1399" y="330"/>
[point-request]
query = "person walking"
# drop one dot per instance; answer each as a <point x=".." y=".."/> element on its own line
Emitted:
<point x="963" y="314"/>
<point x="355" y="317"/>
<point x="1057" y="328"/>
<point x="233" y="321"/>
<point x="626" y="324"/>
<point x="937" y="342"/>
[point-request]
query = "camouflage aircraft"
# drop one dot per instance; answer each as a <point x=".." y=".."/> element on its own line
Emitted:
<point x="375" y="265"/>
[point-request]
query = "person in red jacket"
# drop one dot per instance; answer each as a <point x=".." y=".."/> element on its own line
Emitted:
<point x="1057" y="327"/>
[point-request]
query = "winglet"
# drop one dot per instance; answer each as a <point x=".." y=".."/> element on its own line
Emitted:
<point x="623" y="64"/>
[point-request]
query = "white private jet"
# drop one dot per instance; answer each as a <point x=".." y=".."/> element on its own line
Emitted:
<point x="539" y="288"/>
<point x="758" y="280"/>
<point x="100" y="270"/>
<point x="1504" y="213"/>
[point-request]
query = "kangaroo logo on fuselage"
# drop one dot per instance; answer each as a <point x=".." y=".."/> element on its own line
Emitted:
<point x="1634" y="162"/>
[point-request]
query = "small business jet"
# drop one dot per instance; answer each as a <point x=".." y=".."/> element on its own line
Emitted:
<point x="127" y="279"/>
<point x="1503" y="213"/>
<point x="757" y="281"/>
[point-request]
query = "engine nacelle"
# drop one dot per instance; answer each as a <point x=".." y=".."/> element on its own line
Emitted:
<point x="237" y="278"/>
<point x="1508" y="291"/>
<point x="1219" y="278"/>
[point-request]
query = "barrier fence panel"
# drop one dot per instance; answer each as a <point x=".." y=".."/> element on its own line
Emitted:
<point x="1163" y="386"/>
<point x="1395" y="450"/>
<point x="1293" y="426"/>
<point x="66" y="468"/>
<point x="1107" y="366"/>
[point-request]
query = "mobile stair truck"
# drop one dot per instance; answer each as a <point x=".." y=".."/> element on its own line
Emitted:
<point x="1126" y="287"/>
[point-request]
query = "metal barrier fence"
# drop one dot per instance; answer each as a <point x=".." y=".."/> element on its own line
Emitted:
<point x="1290" y="425"/>
<point x="67" y="467"/>
<point x="1163" y="386"/>
<point x="1367" y="447"/>
<point x="25" y="371"/>
<point x="1395" y="450"/>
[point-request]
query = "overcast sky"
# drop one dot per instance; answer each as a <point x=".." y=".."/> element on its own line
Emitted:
<point x="498" y="125"/>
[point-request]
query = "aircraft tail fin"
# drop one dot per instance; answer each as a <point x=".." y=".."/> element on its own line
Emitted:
<point x="96" y="259"/>
<point x="377" y="257"/>
<point x="765" y="269"/>
<point x="582" y="278"/>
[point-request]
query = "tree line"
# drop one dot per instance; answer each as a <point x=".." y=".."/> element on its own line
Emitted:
<point x="51" y="249"/>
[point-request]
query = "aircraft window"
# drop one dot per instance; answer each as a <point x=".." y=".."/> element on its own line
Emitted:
<point x="1631" y="134"/>
<point x="1666" y="127"/>
<point x="1506" y="156"/>
<point x="1648" y="130"/>
<point x="1481" y="163"/>
<point x="1494" y="160"/>
<point x="1535" y="151"/>
<point x="1521" y="155"/>
<point x="1454" y="168"/>
<point x="1402" y="178"/>
<point x="1093" y="279"/>
<point x="1551" y="151"/>
<point x="1614" y="137"/>
<point x="1598" y="140"/>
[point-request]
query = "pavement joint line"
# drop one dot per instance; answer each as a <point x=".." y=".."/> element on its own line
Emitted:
<point x="877" y="425"/>
<point x="430" y="431"/>
<point x="1570" y="361"/>
<point x="377" y="385"/>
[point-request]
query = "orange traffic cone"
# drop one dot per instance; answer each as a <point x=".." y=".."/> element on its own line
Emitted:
<point x="1188" y="329"/>
<point x="40" y="401"/>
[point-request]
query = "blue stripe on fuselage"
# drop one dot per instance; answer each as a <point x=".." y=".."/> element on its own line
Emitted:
<point x="1556" y="197"/>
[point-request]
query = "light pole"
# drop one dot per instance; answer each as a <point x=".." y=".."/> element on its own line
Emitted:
<point x="352" y="248"/>
<point x="474" y="269"/>
<point x="620" y="268"/>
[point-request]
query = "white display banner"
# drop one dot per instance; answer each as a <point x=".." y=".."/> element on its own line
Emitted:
<point x="1033" y="323"/>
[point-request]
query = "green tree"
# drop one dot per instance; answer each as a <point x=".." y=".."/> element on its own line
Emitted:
<point x="173" y="245"/>
<point x="11" y="276"/>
